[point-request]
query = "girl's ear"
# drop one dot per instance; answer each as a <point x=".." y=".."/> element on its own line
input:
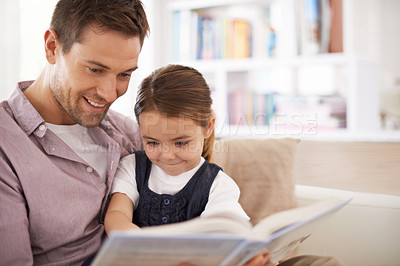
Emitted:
<point x="210" y="128"/>
<point x="51" y="44"/>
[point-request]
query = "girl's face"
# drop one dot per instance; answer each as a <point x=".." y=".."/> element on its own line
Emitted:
<point x="174" y="144"/>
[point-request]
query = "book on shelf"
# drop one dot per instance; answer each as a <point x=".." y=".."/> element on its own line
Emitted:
<point x="185" y="35"/>
<point x="250" y="108"/>
<point x="218" y="240"/>
<point x="325" y="26"/>
<point x="307" y="27"/>
<point x="283" y="112"/>
<point x="200" y="36"/>
<point x="309" y="24"/>
<point x="319" y="26"/>
<point x="309" y="112"/>
<point x="336" y="31"/>
<point x="207" y="38"/>
<point x="241" y="39"/>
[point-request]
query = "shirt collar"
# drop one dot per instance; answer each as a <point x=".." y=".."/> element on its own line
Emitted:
<point x="24" y="112"/>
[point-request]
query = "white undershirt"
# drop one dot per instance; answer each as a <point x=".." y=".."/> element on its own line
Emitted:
<point x="222" y="200"/>
<point x="78" y="139"/>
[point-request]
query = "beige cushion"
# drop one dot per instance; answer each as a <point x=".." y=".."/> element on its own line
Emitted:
<point x="263" y="170"/>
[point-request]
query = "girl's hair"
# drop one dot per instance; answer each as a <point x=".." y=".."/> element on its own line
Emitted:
<point x="178" y="91"/>
<point x="71" y="17"/>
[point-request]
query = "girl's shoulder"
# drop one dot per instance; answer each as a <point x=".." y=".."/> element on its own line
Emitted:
<point x="223" y="180"/>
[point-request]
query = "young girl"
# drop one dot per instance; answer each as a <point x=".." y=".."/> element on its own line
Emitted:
<point x="173" y="179"/>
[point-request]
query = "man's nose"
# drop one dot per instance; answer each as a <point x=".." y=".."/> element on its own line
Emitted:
<point x="107" y="89"/>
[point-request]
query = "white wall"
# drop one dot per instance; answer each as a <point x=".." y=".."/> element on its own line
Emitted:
<point x="374" y="35"/>
<point x="9" y="46"/>
<point x="23" y="24"/>
<point x="390" y="38"/>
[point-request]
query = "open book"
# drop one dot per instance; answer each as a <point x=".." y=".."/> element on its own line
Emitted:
<point x="216" y="240"/>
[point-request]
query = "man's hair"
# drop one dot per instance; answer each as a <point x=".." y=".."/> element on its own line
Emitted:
<point x="71" y="17"/>
<point x="178" y="91"/>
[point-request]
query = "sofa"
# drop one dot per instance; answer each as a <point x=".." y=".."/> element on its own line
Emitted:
<point x="276" y="174"/>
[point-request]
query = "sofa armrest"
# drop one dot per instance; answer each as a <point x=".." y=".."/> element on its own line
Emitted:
<point x="366" y="232"/>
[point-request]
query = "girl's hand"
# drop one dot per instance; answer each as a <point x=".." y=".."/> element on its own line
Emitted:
<point x="263" y="258"/>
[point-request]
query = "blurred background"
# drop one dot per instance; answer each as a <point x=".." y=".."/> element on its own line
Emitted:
<point x="310" y="68"/>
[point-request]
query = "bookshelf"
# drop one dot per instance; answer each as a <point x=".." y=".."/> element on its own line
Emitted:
<point x="267" y="75"/>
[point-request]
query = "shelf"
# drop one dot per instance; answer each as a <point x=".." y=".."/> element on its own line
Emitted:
<point x="245" y="64"/>
<point x="321" y="135"/>
<point x="246" y="82"/>
<point x="199" y="4"/>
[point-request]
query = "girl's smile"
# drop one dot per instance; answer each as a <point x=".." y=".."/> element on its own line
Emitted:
<point x="174" y="144"/>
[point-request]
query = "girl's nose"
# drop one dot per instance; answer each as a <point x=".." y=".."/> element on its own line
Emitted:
<point x="168" y="152"/>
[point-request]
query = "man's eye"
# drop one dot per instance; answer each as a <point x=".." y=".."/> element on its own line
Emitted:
<point x="152" y="143"/>
<point x="181" y="143"/>
<point x="124" y="75"/>
<point x="94" y="70"/>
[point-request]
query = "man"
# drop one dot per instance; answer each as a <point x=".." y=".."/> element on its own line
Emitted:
<point x="59" y="144"/>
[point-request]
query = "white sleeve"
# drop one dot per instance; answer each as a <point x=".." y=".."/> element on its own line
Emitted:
<point x="224" y="199"/>
<point x="125" y="179"/>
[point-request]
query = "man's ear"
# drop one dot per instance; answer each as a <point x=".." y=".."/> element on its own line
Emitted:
<point x="51" y="44"/>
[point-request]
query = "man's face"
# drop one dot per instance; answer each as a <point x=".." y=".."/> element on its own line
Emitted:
<point x="92" y="75"/>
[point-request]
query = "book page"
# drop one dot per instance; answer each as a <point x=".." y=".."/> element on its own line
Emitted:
<point x="244" y="253"/>
<point x="148" y="249"/>
<point x="211" y="224"/>
<point x="300" y="223"/>
<point x="283" y="219"/>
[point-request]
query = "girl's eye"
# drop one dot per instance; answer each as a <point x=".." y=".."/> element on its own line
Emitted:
<point x="181" y="143"/>
<point x="152" y="143"/>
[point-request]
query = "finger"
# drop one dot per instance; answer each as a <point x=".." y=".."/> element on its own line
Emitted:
<point x="256" y="261"/>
